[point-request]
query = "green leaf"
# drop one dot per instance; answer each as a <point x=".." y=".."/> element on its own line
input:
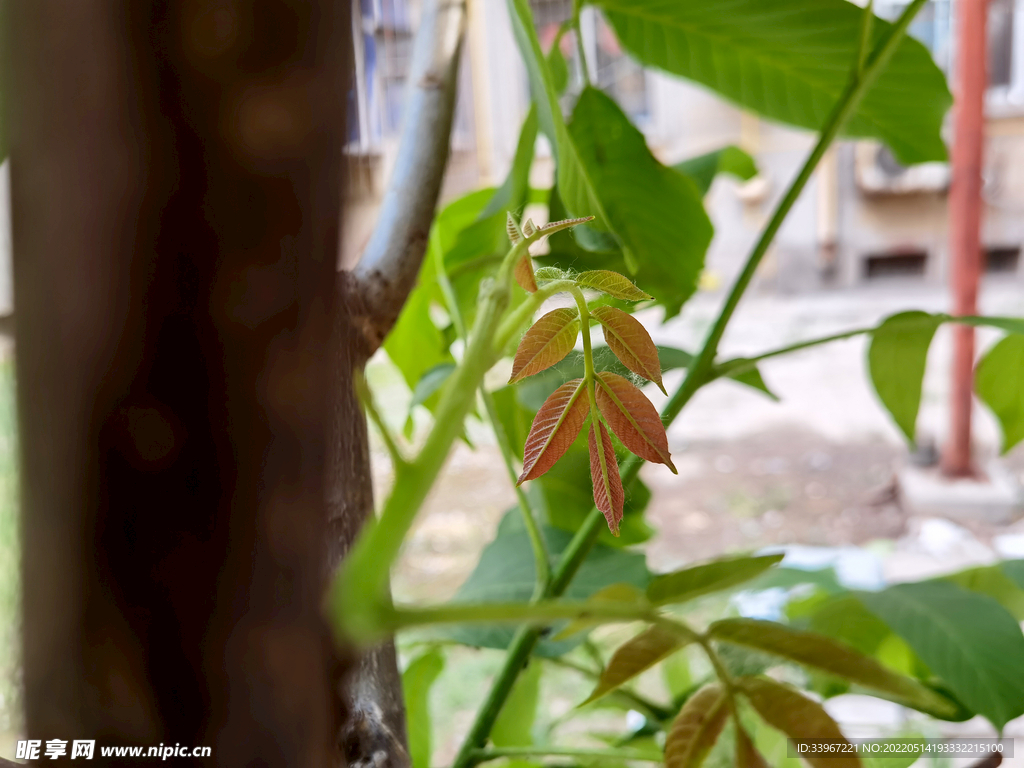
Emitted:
<point x="997" y="582"/>
<point x="789" y="711"/>
<point x="698" y="580"/>
<point x="896" y="362"/>
<point x="703" y="168"/>
<point x="511" y="195"/>
<point x="417" y="680"/>
<point x="655" y="213"/>
<point x="430" y="383"/>
<point x="968" y="640"/>
<point x="675" y="671"/>
<point x="999" y="382"/>
<point x="514" y="725"/>
<point x="823" y="653"/>
<point x="1015" y="570"/>
<point x="557" y="65"/>
<point x="576" y="189"/>
<point x="790" y="60"/>
<point x="536" y="390"/>
<point x="639" y="654"/>
<point x="696" y="727"/>
<point x="506" y="572"/>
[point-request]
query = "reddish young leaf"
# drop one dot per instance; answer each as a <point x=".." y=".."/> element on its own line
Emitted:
<point x="633" y="419"/>
<point x="524" y="274"/>
<point x="555" y="426"/>
<point x="697" y="727"/>
<point x="604" y="471"/>
<point x="747" y="755"/>
<point x="549" y="340"/>
<point x="615" y="285"/>
<point x="629" y="340"/>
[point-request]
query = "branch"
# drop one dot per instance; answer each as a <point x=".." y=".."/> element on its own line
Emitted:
<point x="386" y="273"/>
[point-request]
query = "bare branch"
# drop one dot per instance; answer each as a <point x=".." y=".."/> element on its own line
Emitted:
<point x="387" y="270"/>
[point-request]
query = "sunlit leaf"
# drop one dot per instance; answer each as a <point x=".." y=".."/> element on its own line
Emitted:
<point x="696" y="727"/>
<point x="417" y="680"/>
<point x="549" y="340"/>
<point x="790" y="60"/>
<point x="631" y="343"/>
<point x="639" y="654"/>
<point x="633" y="418"/>
<point x="554" y="428"/>
<point x="968" y="640"/>
<point x="604" y="472"/>
<point x="896" y="362"/>
<point x="999" y="382"/>
<point x="831" y="656"/>
<point x="615" y="285"/>
<point x="789" y="711"/>
<point x="698" y="580"/>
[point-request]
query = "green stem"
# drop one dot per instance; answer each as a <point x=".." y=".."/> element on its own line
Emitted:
<point x="540" y="549"/>
<point x="864" y="45"/>
<point x="580" y="51"/>
<point x="398" y="461"/>
<point x="743" y="364"/>
<point x="483" y="755"/>
<point x="526" y="638"/>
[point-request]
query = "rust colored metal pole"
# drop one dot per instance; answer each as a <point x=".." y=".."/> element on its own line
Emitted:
<point x="965" y="223"/>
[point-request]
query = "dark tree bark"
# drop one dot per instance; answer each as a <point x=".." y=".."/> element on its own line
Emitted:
<point x="175" y="187"/>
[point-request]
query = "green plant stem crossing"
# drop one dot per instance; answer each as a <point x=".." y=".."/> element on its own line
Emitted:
<point x="526" y="638"/>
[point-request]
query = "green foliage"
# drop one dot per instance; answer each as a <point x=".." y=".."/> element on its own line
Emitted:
<point x="417" y="680"/>
<point x="999" y="382"/>
<point x="967" y="639"/>
<point x="506" y="572"/>
<point x="896" y="362"/>
<point x="551" y="562"/>
<point x="731" y="160"/>
<point x="790" y="60"/>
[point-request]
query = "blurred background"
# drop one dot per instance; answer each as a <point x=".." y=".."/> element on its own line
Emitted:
<point x="819" y="469"/>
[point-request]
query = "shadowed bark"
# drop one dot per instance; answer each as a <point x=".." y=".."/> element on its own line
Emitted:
<point x="175" y="188"/>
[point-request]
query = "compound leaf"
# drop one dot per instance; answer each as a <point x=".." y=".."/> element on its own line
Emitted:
<point x="633" y="418"/>
<point x="789" y="711"/>
<point x="631" y="343"/>
<point x="696" y="727"/>
<point x="604" y="473"/>
<point x="554" y="429"/>
<point x="999" y="382"/>
<point x="639" y="654"/>
<point x="896" y="362"/>
<point x="703" y="579"/>
<point x="831" y="656"/>
<point x="549" y="340"/>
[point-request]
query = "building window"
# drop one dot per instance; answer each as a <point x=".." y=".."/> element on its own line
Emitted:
<point x="382" y="47"/>
<point x="935" y="26"/>
<point x="610" y="67"/>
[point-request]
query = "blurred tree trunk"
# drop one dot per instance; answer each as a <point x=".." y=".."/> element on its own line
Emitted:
<point x="175" y="187"/>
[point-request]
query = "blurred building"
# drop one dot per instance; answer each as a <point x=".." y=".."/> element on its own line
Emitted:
<point x="863" y="219"/>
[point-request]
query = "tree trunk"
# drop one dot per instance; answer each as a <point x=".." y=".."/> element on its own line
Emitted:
<point x="175" y="188"/>
<point x="371" y="297"/>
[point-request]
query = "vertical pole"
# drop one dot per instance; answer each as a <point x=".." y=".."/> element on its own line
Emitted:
<point x="965" y="222"/>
